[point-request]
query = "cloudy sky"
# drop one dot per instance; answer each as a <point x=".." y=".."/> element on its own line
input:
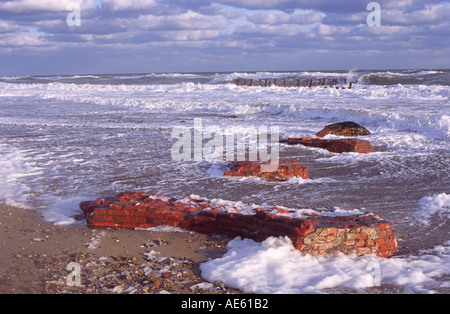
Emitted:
<point x="136" y="36"/>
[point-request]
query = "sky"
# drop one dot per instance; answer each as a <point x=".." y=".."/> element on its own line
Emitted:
<point x="41" y="37"/>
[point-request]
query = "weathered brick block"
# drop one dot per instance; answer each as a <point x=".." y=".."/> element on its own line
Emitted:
<point x="314" y="234"/>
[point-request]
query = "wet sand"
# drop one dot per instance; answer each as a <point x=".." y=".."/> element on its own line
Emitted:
<point x="35" y="256"/>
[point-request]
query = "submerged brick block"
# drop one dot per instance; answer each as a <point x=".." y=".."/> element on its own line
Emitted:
<point x="334" y="145"/>
<point x="312" y="234"/>
<point x="286" y="169"/>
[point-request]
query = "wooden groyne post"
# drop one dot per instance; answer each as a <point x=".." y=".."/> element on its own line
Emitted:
<point x="299" y="82"/>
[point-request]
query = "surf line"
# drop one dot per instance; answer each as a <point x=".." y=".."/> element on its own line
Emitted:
<point x="191" y="147"/>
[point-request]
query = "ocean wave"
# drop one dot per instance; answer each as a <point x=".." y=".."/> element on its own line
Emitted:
<point x="419" y="109"/>
<point x="408" y="77"/>
<point x="387" y="77"/>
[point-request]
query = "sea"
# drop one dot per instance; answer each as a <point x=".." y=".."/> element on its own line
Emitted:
<point x="71" y="138"/>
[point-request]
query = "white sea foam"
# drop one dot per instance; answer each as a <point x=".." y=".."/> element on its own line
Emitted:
<point x="61" y="211"/>
<point x="239" y="207"/>
<point x="16" y="172"/>
<point x="162" y="229"/>
<point x="275" y="266"/>
<point x="430" y="206"/>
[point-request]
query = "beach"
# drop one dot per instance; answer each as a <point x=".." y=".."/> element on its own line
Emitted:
<point x="35" y="256"/>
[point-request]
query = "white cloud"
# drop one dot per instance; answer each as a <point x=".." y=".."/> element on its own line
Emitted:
<point x="256" y="4"/>
<point x="285" y="30"/>
<point x="24" y="6"/>
<point x="431" y="14"/>
<point x="22" y="40"/>
<point x="126" y="5"/>
<point x="243" y="26"/>
<point x="192" y="20"/>
<point x="272" y="17"/>
<point x="185" y="21"/>
<point x="189" y="35"/>
<point x="10" y="27"/>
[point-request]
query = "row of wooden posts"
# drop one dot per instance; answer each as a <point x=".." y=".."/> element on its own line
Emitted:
<point x="332" y="83"/>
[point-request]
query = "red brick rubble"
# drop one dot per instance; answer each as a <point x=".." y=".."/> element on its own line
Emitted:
<point x="286" y="169"/>
<point x="312" y="234"/>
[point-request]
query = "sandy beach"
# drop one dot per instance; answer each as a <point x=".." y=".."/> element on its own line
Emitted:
<point x="35" y="256"/>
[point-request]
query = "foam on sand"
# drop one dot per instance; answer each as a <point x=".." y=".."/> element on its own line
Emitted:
<point x="16" y="170"/>
<point x="275" y="267"/>
<point x="438" y="204"/>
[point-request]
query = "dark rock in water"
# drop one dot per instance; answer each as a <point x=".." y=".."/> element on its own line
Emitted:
<point x="339" y="146"/>
<point x="348" y="128"/>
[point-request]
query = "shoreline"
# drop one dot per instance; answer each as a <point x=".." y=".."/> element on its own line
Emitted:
<point x="35" y="256"/>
